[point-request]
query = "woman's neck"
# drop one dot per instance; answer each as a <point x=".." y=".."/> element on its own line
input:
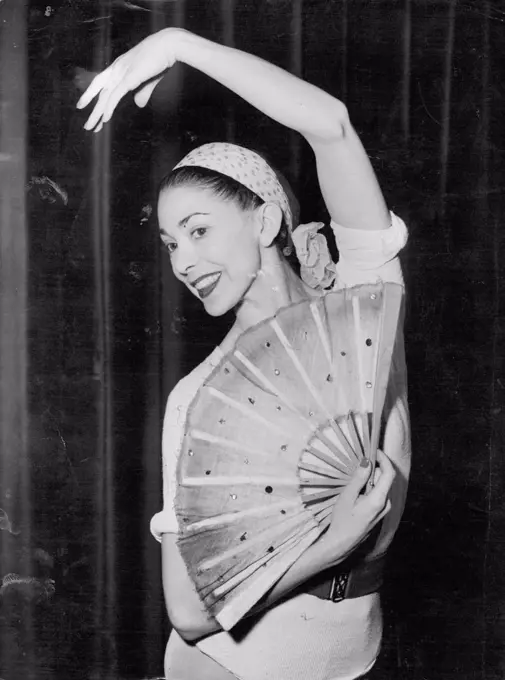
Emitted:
<point x="276" y="285"/>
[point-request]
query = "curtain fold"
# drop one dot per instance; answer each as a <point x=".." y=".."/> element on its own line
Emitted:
<point x="445" y="138"/>
<point x="105" y="608"/>
<point x="17" y="630"/>
<point x="407" y="69"/>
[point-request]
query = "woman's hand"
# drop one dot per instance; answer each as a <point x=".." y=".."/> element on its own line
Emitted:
<point x="141" y="67"/>
<point x="355" y="514"/>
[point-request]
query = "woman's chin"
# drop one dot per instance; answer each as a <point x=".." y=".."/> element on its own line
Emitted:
<point x="217" y="307"/>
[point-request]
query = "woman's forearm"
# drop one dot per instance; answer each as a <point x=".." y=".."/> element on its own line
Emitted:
<point x="319" y="557"/>
<point x="193" y="623"/>
<point x="280" y="95"/>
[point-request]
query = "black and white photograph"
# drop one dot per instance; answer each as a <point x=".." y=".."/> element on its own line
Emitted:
<point x="252" y="340"/>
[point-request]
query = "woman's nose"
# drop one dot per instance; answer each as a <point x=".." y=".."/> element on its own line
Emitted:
<point x="184" y="259"/>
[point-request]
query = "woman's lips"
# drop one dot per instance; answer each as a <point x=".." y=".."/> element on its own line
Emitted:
<point x="206" y="284"/>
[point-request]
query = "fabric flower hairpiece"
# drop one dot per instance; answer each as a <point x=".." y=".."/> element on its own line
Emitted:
<point x="317" y="268"/>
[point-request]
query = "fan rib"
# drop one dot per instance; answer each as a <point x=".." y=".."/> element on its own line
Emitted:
<point x="322" y="514"/>
<point x="353" y="433"/>
<point x="319" y="470"/>
<point x="324" y="505"/>
<point x="322" y="482"/>
<point x="366" y="432"/>
<point x="361" y="376"/>
<point x="333" y="462"/>
<point x="314" y="307"/>
<point x="342" y="440"/>
<point x="247" y="411"/>
<point x="318" y="496"/>
<point x="379" y="389"/>
<point x="357" y="341"/>
<point x="222" y="480"/>
<point x="231" y="517"/>
<point x="387" y="332"/>
<point x="325" y="522"/>
<point x="226" y="443"/>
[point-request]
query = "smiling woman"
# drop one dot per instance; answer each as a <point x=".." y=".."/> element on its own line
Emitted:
<point x="211" y="248"/>
<point x="217" y="246"/>
<point x="229" y="227"/>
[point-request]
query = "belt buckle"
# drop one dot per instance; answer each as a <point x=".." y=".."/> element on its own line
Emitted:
<point x="338" y="587"/>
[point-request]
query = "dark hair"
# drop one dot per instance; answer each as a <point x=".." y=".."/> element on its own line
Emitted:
<point x="228" y="189"/>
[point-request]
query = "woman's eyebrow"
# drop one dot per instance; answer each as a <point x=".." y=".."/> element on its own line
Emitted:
<point x="182" y="223"/>
<point x="185" y="220"/>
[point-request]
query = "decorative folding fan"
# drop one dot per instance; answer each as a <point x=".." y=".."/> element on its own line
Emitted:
<point x="273" y="436"/>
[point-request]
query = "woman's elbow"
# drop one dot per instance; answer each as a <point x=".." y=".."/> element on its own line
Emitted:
<point x="191" y="624"/>
<point x="188" y="633"/>
<point x="184" y="623"/>
<point x="332" y="124"/>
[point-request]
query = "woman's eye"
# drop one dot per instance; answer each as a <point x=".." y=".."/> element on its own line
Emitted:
<point x="171" y="247"/>
<point x="199" y="232"/>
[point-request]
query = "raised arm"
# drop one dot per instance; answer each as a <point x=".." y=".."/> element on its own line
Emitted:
<point x="347" y="180"/>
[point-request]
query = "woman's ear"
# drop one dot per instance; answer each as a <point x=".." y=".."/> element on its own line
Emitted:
<point x="270" y="215"/>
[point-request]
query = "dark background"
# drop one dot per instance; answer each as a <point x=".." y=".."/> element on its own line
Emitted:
<point x="109" y="331"/>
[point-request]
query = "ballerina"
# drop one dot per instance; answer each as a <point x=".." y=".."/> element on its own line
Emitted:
<point x="228" y="224"/>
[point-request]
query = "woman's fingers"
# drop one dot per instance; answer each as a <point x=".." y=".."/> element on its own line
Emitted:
<point x="388" y="507"/>
<point x="93" y="89"/>
<point x="113" y="100"/>
<point x="140" y="68"/>
<point x="109" y="97"/>
<point x="143" y="95"/>
<point x="377" y="499"/>
<point x="359" y="479"/>
<point x="96" y="115"/>
<point x="387" y="474"/>
<point x="104" y="108"/>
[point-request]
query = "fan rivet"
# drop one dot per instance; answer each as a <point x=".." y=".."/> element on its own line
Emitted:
<point x="268" y="489"/>
<point x="251" y="400"/>
<point x="222" y="421"/>
<point x="207" y="472"/>
<point x="368" y="342"/>
<point x="284" y="447"/>
<point x="277" y="372"/>
<point x="373" y="296"/>
<point x="271" y="549"/>
<point x="244" y="536"/>
<point x="369" y="384"/>
<point x="233" y="496"/>
<point x="267" y="344"/>
<point x="329" y="378"/>
<point x="190" y="452"/>
<point x="226" y="370"/>
<point x="311" y="413"/>
<point x="283" y="512"/>
<point x="278" y="408"/>
<point x="342" y="353"/>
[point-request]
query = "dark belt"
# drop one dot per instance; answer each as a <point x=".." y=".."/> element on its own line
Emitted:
<point x="347" y="581"/>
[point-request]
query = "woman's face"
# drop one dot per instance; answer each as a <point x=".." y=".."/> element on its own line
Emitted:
<point x="213" y="245"/>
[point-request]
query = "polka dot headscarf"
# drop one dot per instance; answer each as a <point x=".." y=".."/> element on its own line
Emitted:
<point x="244" y="166"/>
